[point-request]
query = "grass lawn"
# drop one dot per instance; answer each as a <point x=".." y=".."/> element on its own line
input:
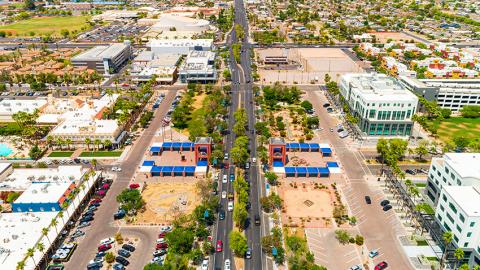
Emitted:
<point x="421" y="185"/>
<point x="46" y="25"/>
<point x="421" y="243"/>
<point x="61" y="154"/>
<point x="458" y="126"/>
<point x="429" y="210"/>
<point x="101" y="154"/>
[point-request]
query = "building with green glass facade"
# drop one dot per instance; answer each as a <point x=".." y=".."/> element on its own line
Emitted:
<point x="382" y="105"/>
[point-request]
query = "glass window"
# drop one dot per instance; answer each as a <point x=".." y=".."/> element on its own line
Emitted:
<point x="371" y="114"/>
<point x="459" y="229"/>
<point x="454" y="209"/>
<point x="456" y="238"/>
<point x="472" y="224"/>
<point x="450" y="218"/>
<point x="466" y="244"/>
<point x="469" y="234"/>
<point x="442" y="208"/>
<point x="444" y="198"/>
<point x="462" y="218"/>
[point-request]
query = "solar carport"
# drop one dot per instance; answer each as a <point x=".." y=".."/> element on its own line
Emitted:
<point x="307" y="172"/>
<point x="302" y="147"/>
<point x="173" y="171"/>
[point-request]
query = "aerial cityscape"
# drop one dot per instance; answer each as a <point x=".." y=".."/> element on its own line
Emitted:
<point x="240" y="135"/>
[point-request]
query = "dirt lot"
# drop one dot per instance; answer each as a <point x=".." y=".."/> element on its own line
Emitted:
<point x="165" y="200"/>
<point x="314" y="64"/>
<point x="312" y="207"/>
<point x="382" y="37"/>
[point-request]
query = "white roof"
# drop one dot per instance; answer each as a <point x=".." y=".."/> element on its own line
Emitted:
<point x="43" y="192"/>
<point x="180" y="42"/>
<point x="21" y="179"/>
<point x="465" y="164"/>
<point x="467" y="197"/>
<point x="11" y="106"/>
<point x="4" y="166"/>
<point x="88" y="127"/>
<point x="19" y="232"/>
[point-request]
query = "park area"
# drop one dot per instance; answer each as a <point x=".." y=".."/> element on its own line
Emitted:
<point x="457" y="127"/>
<point x="45" y="26"/>
<point x="313" y="64"/>
<point x="168" y="199"/>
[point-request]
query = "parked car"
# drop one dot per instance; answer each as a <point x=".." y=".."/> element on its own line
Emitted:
<point x="117" y="266"/>
<point x="257" y="220"/>
<point x="107" y="241"/>
<point x="78" y="233"/>
<point x="368" y="200"/>
<point x="247" y="165"/>
<point x="409" y="171"/>
<point x="384" y="202"/>
<point x="219" y="246"/>
<point x="254" y="160"/>
<point x="159" y="252"/>
<point x="124" y="253"/>
<point x="227" y="265"/>
<point x="224" y="179"/>
<point x="161" y="246"/>
<point x="230" y="206"/>
<point x="373" y="253"/>
<point x="122" y="260"/>
<point x="224" y="194"/>
<point x="134" y="186"/>
<point x="356" y="267"/>
<point x="83" y="224"/>
<point x="104" y="247"/>
<point x="86" y="219"/>
<point x="381" y="266"/>
<point x="387" y="207"/>
<point x="232" y="177"/>
<point x="128" y="247"/>
<point x="205" y="264"/>
<point x="94" y="265"/>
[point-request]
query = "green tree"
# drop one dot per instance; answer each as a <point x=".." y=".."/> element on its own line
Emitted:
<point x="239" y="155"/>
<point x="180" y="240"/>
<point x="153" y="266"/>
<point x="342" y="236"/>
<point x="130" y="200"/>
<point x="12" y="196"/>
<point x="35" y="152"/>
<point x="238" y="243"/>
<point x="421" y="151"/>
<point x="109" y="257"/>
<point x="447" y="239"/>
<point x="271" y="178"/>
<point x="240" y="214"/>
<point x="459" y="255"/>
<point x="307" y="105"/>
<point x="29" y="4"/>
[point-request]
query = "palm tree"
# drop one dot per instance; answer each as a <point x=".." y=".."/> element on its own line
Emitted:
<point x="20" y="265"/>
<point x="68" y="142"/>
<point x="107" y="143"/>
<point x="459" y="255"/>
<point x="87" y="143"/>
<point x="54" y="223"/>
<point x="30" y="253"/>
<point x="41" y="248"/>
<point x="49" y="141"/>
<point x="94" y="163"/>
<point x="466" y="267"/>
<point x="447" y="239"/>
<point x="60" y="215"/>
<point x="45" y="233"/>
<point x="476" y="267"/>
<point x="97" y="143"/>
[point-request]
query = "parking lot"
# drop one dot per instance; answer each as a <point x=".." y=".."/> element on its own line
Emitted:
<point x="112" y="32"/>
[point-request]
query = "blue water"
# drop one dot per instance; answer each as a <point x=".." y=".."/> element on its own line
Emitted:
<point x="5" y="150"/>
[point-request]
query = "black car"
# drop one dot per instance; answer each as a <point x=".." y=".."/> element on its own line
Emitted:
<point x="221" y="214"/>
<point x="384" y="202"/>
<point x="325" y="105"/>
<point x="124" y="253"/>
<point x="128" y="247"/>
<point x="387" y="207"/>
<point x="121" y="260"/>
<point x="257" y="220"/>
<point x="412" y="172"/>
<point x="368" y="200"/>
<point x="249" y="205"/>
<point x="86" y="219"/>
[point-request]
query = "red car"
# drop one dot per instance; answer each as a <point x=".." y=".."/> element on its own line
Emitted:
<point x="105" y="186"/>
<point x="96" y="201"/>
<point x="104" y="247"/>
<point x="162" y="246"/>
<point x="381" y="266"/>
<point x="219" y="245"/>
<point x="162" y="235"/>
<point x="134" y="186"/>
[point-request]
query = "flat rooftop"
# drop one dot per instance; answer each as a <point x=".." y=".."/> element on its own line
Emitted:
<point x="374" y="86"/>
<point x="467" y="197"/>
<point x="465" y="164"/>
<point x="98" y="53"/>
<point x="89" y="127"/>
<point x="21" y="179"/>
<point x="180" y="43"/>
<point x="44" y="192"/>
<point x="19" y="232"/>
<point x="11" y="106"/>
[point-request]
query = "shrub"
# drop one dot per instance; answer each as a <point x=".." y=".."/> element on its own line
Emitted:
<point x="109" y="257"/>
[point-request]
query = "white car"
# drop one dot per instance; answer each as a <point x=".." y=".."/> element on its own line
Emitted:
<point x="205" y="264"/>
<point x="216" y="177"/>
<point x="227" y="264"/>
<point x="254" y="160"/>
<point x="224" y="194"/>
<point x="224" y="179"/>
<point x="230" y="206"/>
<point x="161" y="240"/>
<point x="107" y="241"/>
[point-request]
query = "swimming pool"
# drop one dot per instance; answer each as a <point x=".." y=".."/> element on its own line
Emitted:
<point x="5" y="150"/>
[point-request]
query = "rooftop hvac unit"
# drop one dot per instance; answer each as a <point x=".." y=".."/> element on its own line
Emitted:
<point x="34" y="191"/>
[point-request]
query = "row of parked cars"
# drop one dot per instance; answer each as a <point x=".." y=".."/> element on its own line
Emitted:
<point x="121" y="260"/>
<point x="174" y="105"/>
<point x="161" y="246"/>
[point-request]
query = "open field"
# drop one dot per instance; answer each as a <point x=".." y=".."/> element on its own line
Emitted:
<point x="313" y="64"/>
<point x="61" y="154"/>
<point x="165" y="200"/>
<point x="101" y="154"/>
<point x="383" y="37"/>
<point x="456" y="127"/>
<point x="46" y="26"/>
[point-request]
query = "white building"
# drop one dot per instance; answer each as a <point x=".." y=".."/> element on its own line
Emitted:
<point x="180" y="46"/>
<point x="199" y="67"/>
<point x="168" y="22"/>
<point x="163" y="65"/>
<point x="384" y="107"/>
<point x="450" y="94"/>
<point x="78" y="131"/>
<point x="9" y="107"/>
<point x="454" y="188"/>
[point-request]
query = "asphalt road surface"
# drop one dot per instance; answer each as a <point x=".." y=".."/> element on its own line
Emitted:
<point x="104" y="226"/>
